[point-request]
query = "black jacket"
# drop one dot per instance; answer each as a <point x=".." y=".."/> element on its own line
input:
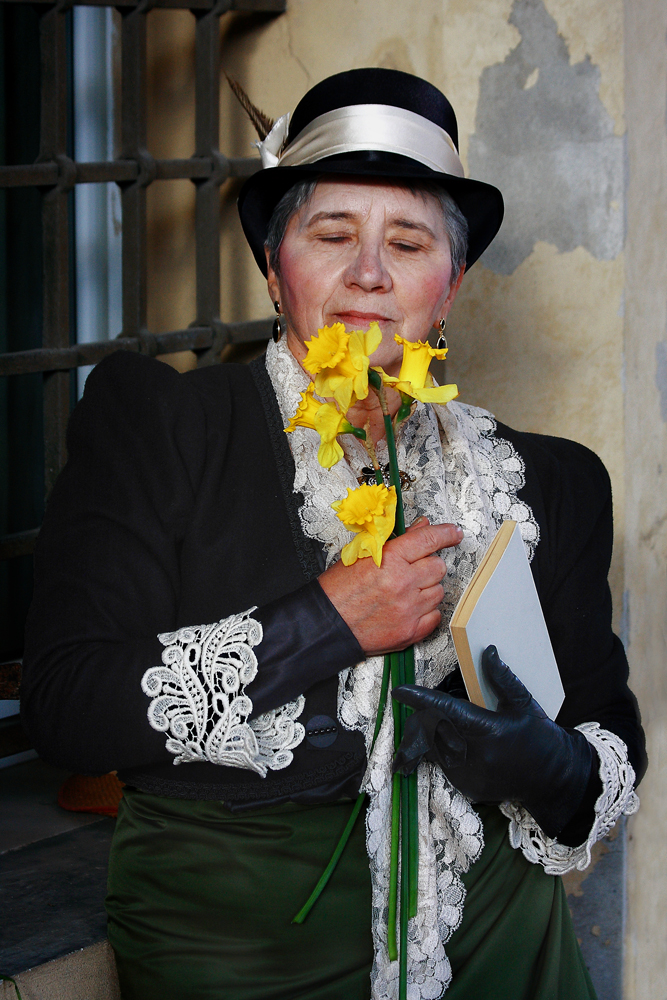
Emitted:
<point x="176" y="508"/>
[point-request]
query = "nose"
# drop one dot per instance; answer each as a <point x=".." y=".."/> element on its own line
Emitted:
<point x="367" y="271"/>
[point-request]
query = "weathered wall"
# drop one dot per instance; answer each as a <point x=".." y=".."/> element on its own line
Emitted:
<point x="562" y="327"/>
<point x="646" y="471"/>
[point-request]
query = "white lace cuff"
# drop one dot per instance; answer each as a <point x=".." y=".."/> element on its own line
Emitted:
<point x="617" y="799"/>
<point x="199" y="699"/>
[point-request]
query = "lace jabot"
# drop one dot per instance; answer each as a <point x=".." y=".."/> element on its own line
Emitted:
<point x="463" y="474"/>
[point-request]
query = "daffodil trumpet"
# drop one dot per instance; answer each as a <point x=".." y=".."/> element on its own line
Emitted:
<point x="338" y="362"/>
<point x="370" y="512"/>
<point x="325" y="418"/>
<point x="414" y="380"/>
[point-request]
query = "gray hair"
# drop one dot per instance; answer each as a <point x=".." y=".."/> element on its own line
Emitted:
<point x="456" y="224"/>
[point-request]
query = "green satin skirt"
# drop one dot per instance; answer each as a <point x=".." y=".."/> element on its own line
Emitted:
<point x="200" y="905"/>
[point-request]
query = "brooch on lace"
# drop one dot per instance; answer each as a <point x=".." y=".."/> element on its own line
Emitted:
<point x="367" y="477"/>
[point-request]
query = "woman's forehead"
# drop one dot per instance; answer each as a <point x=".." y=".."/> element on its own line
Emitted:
<point x="359" y="198"/>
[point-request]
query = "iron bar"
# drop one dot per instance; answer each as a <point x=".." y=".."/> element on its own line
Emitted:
<point x="126" y="171"/>
<point x="195" y="338"/>
<point x="242" y="6"/>
<point x="55" y="230"/>
<point x="133" y="147"/>
<point x="207" y="138"/>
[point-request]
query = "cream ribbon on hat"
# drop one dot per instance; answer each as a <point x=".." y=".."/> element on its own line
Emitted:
<point x="362" y="127"/>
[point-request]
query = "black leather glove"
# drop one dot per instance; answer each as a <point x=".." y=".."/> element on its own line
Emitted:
<point x="516" y="753"/>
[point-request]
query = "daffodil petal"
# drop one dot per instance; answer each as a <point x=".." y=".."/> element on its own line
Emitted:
<point x="438" y="394"/>
<point x="329" y="453"/>
<point x="362" y="546"/>
<point x="372" y="338"/>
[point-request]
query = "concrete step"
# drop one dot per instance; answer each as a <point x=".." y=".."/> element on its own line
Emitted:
<point x="88" y="974"/>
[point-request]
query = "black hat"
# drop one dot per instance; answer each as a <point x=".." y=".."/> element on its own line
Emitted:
<point x="368" y="123"/>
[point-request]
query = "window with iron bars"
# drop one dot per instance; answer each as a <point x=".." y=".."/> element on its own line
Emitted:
<point x="42" y="167"/>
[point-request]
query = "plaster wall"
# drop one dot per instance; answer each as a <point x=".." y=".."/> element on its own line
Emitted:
<point x="646" y="468"/>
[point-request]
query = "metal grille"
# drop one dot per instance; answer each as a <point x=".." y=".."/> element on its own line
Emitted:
<point x="56" y="174"/>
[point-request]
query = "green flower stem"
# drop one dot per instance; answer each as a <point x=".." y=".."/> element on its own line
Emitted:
<point x="345" y="836"/>
<point x="413" y="845"/>
<point x="395" y="475"/>
<point x="404" y="815"/>
<point x="382" y="701"/>
<point x="328" y="871"/>
<point x="404" y="410"/>
<point x="405" y="891"/>
<point x="395" y="707"/>
<point x="404" y="811"/>
<point x="9" y="979"/>
<point x="409" y="665"/>
<point x="395" y="659"/>
<point x="393" y="867"/>
<point x="412" y="804"/>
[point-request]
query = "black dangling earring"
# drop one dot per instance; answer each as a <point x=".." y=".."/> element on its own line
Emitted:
<point x="279" y="324"/>
<point x="442" y="340"/>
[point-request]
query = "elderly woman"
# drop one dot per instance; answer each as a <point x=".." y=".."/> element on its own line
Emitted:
<point x="189" y="530"/>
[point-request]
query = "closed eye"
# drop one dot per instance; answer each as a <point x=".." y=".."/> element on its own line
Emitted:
<point x="406" y="247"/>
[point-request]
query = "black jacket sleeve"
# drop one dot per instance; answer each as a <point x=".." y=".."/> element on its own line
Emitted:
<point x="571" y="566"/>
<point x="107" y="576"/>
<point x="569" y="491"/>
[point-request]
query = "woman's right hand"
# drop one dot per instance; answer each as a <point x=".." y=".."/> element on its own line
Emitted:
<point x="396" y="605"/>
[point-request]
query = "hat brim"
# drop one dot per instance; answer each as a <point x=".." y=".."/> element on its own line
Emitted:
<point x="481" y="203"/>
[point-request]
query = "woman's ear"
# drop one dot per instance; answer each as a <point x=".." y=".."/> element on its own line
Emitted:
<point x="271" y="278"/>
<point x="453" y="289"/>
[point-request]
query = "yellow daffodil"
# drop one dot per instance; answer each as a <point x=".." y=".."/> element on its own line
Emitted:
<point x="306" y="410"/>
<point x="414" y="378"/>
<point x="329" y="423"/>
<point x="338" y="362"/>
<point x="326" y="419"/>
<point x="370" y="512"/>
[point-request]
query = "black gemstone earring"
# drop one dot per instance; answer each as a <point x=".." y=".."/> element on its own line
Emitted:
<point x="442" y="340"/>
<point x="279" y="323"/>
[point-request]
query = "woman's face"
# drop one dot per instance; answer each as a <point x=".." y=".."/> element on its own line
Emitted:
<point x="361" y="251"/>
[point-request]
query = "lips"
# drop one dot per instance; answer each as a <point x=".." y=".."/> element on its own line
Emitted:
<point x="353" y="316"/>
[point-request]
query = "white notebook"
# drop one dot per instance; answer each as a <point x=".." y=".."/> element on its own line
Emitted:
<point x="500" y="607"/>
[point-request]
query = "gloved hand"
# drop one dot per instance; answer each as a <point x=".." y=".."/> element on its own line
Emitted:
<point x="516" y="753"/>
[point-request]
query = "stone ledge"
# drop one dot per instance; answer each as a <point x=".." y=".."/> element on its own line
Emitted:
<point x="53" y="897"/>
<point x="88" y="974"/>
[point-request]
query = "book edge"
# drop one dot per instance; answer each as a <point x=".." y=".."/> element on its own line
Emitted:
<point x="492" y="557"/>
<point x="468" y="671"/>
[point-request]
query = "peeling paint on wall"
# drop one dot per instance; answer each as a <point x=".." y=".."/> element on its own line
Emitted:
<point x="661" y="376"/>
<point x="596" y="30"/>
<point x="547" y="141"/>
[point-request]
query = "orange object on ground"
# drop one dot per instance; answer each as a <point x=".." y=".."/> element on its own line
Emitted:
<point x="82" y="793"/>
